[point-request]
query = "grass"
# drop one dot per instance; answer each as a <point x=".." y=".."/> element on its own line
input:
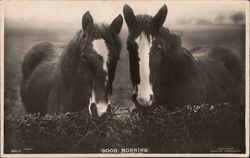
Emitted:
<point x="191" y="129"/>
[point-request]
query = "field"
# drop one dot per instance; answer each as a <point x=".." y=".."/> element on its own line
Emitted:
<point x="19" y="40"/>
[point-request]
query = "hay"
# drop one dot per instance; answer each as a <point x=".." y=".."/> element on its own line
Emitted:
<point x="191" y="129"/>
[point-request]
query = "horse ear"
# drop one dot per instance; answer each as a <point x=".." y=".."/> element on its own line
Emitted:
<point x="116" y="24"/>
<point x="160" y="17"/>
<point x="87" y="22"/>
<point x="128" y="15"/>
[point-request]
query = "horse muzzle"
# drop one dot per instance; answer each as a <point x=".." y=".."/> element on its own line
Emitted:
<point x="141" y="102"/>
<point x="99" y="109"/>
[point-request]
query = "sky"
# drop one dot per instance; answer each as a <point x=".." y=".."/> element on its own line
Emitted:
<point x="65" y="13"/>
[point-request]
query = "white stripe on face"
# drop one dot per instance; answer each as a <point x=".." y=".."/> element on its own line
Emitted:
<point x="144" y="45"/>
<point x="100" y="47"/>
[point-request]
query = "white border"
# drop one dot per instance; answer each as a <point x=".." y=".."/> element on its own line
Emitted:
<point x="247" y="79"/>
<point x="2" y="74"/>
<point x="123" y="155"/>
<point x="246" y="3"/>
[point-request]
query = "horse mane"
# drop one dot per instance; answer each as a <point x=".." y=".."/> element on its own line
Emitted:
<point x="179" y="56"/>
<point x="142" y="24"/>
<point x="70" y="55"/>
<point x="76" y="43"/>
<point x="173" y="41"/>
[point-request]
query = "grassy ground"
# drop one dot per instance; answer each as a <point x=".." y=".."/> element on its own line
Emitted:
<point x="173" y="128"/>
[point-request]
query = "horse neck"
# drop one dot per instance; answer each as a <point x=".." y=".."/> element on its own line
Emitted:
<point x="69" y="60"/>
<point x="173" y="43"/>
<point x="180" y="59"/>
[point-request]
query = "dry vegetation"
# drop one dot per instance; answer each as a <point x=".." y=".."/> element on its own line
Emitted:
<point x="193" y="129"/>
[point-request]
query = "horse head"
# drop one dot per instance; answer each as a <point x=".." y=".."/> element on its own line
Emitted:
<point x="100" y="52"/>
<point x="145" y="47"/>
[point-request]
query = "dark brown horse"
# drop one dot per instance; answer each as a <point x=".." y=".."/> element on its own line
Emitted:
<point x="73" y="77"/>
<point x="165" y="73"/>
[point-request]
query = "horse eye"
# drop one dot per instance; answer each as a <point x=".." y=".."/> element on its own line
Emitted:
<point x="107" y="77"/>
<point x="83" y="57"/>
<point x="158" y="48"/>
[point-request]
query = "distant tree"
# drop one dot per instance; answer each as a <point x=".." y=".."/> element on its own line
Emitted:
<point x="184" y="20"/>
<point x="220" y="19"/>
<point x="203" y="22"/>
<point x="238" y="18"/>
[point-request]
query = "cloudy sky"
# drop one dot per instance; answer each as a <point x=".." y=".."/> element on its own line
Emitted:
<point x="65" y="14"/>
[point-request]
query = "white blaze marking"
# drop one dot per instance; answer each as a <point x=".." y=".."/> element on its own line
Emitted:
<point x="144" y="88"/>
<point x="100" y="47"/>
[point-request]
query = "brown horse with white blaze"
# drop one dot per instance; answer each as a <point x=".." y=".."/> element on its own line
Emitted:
<point x="164" y="73"/>
<point x="76" y="76"/>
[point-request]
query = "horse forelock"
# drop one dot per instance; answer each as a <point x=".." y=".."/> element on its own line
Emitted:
<point x="101" y="31"/>
<point x="112" y="40"/>
<point x="143" y="24"/>
<point x="71" y="54"/>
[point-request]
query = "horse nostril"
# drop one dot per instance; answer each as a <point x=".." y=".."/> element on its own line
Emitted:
<point x="109" y="108"/>
<point x="145" y="102"/>
<point x="93" y="110"/>
<point x="151" y="97"/>
<point x="134" y="97"/>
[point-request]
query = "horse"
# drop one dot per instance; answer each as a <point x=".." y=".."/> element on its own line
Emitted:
<point x="76" y="76"/>
<point x="162" y="72"/>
